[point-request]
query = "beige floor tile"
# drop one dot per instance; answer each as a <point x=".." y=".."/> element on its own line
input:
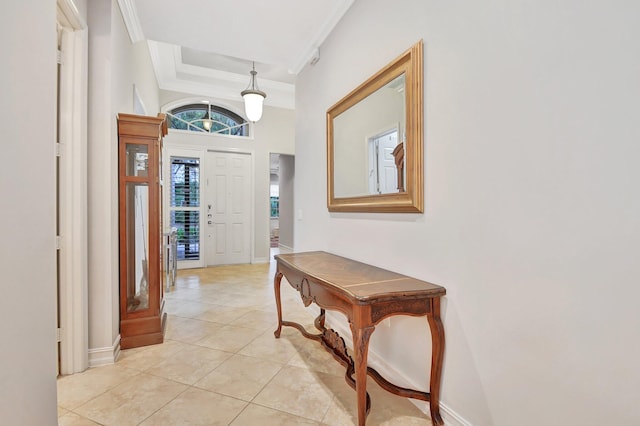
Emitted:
<point x="77" y="389"/>
<point x="266" y="346"/>
<point x="239" y="301"/>
<point x="184" y="294"/>
<point x="195" y="378"/>
<point x="197" y="407"/>
<point x="72" y="419"/>
<point x="184" y="308"/>
<point x="389" y="409"/>
<point x="298" y="391"/>
<point x="148" y="356"/>
<point x="313" y="356"/>
<point x="188" y="330"/>
<point x="240" y="376"/>
<point x="190" y="364"/>
<point x="258" y="319"/>
<point x="386" y="409"/>
<point x="220" y="314"/>
<point x="257" y="415"/>
<point x="229" y="338"/>
<point x="132" y="401"/>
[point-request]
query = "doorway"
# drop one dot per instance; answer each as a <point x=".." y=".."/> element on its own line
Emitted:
<point x="281" y="202"/>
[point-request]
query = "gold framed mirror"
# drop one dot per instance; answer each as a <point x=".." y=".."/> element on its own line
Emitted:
<point x="375" y="141"/>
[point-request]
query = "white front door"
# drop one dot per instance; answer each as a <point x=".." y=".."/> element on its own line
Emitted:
<point x="228" y="208"/>
<point x="386" y="163"/>
<point x="383" y="174"/>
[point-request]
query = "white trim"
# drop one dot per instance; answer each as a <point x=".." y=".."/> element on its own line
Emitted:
<point x="451" y="417"/>
<point x="105" y="356"/>
<point x="73" y="284"/>
<point x="131" y="21"/>
<point x="286" y="248"/>
<point x="249" y="126"/>
<point x="311" y="50"/>
<point x="68" y="12"/>
<point x="388" y="371"/>
<point x="172" y="74"/>
<point x="201" y="100"/>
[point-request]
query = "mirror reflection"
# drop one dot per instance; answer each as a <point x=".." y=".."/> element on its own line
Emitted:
<point x="375" y="141"/>
<point x="369" y="143"/>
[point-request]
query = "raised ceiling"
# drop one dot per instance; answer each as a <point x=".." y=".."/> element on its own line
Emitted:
<point x="205" y="47"/>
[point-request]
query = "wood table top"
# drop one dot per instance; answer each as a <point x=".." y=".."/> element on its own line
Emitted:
<point x="358" y="280"/>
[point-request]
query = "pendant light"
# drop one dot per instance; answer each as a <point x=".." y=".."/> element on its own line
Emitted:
<point x="207" y="122"/>
<point x="253" y="98"/>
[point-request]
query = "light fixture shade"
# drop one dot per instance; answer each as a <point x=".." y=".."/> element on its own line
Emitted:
<point x="207" y="122"/>
<point x="253" y="98"/>
<point x="253" y="104"/>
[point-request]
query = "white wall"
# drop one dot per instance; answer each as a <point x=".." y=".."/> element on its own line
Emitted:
<point x="27" y="218"/>
<point x="273" y="133"/>
<point x="531" y="208"/>
<point x="115" y="65"/>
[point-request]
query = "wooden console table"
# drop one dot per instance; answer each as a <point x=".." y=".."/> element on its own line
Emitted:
<point x="366" y="295"/>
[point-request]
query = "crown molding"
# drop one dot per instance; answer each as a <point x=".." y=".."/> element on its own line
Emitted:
<point x="312" y="48"/>
<point x="131" y="21"/>
<point x="176" y="76"/>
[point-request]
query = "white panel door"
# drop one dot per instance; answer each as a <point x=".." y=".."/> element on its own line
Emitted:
<point x="388" y="174"/>
<point x="383" y="174"/>
<point x="228" y="208"/>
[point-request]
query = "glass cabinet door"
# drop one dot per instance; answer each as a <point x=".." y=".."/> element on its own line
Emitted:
<point x="137" y="236"/>
<point x="137" y="159"/>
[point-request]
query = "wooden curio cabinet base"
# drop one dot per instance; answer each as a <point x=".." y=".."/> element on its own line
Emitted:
<point x="142" y="318"/>
<point x="142" y="331"/>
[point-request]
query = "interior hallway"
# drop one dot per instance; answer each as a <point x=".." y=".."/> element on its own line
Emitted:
<point x="221" y="365"/>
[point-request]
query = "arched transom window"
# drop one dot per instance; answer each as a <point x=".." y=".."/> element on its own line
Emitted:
<point x="207" y="118"/>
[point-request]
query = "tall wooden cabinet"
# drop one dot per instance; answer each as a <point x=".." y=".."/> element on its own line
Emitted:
<point x="142" y="319"/>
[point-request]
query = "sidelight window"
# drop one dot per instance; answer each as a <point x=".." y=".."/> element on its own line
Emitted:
<point x="184" y="206"/>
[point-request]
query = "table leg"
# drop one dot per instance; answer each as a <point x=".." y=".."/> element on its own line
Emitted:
<point x="276" y="286"/>
<point x="437" y="355"/>
<point x="361" y="348"/>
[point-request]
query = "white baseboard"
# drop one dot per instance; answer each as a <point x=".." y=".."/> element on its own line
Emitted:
<point x="105" y="356"/>
<point x="284" y="248"/>
<point x="261" y="260"/>
<point x="450" y="417"/>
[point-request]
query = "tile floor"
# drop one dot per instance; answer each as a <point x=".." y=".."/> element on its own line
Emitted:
<point x="221" y="365"/>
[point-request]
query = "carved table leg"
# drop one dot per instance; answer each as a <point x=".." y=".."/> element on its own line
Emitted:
<point x="360" y="349"/>
<point x="437" y="354"/>
<point x="319" y="321"/>
<point x="276" y="286"/>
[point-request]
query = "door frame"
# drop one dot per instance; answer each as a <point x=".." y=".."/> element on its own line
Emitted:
<point x="72" y="205"/>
